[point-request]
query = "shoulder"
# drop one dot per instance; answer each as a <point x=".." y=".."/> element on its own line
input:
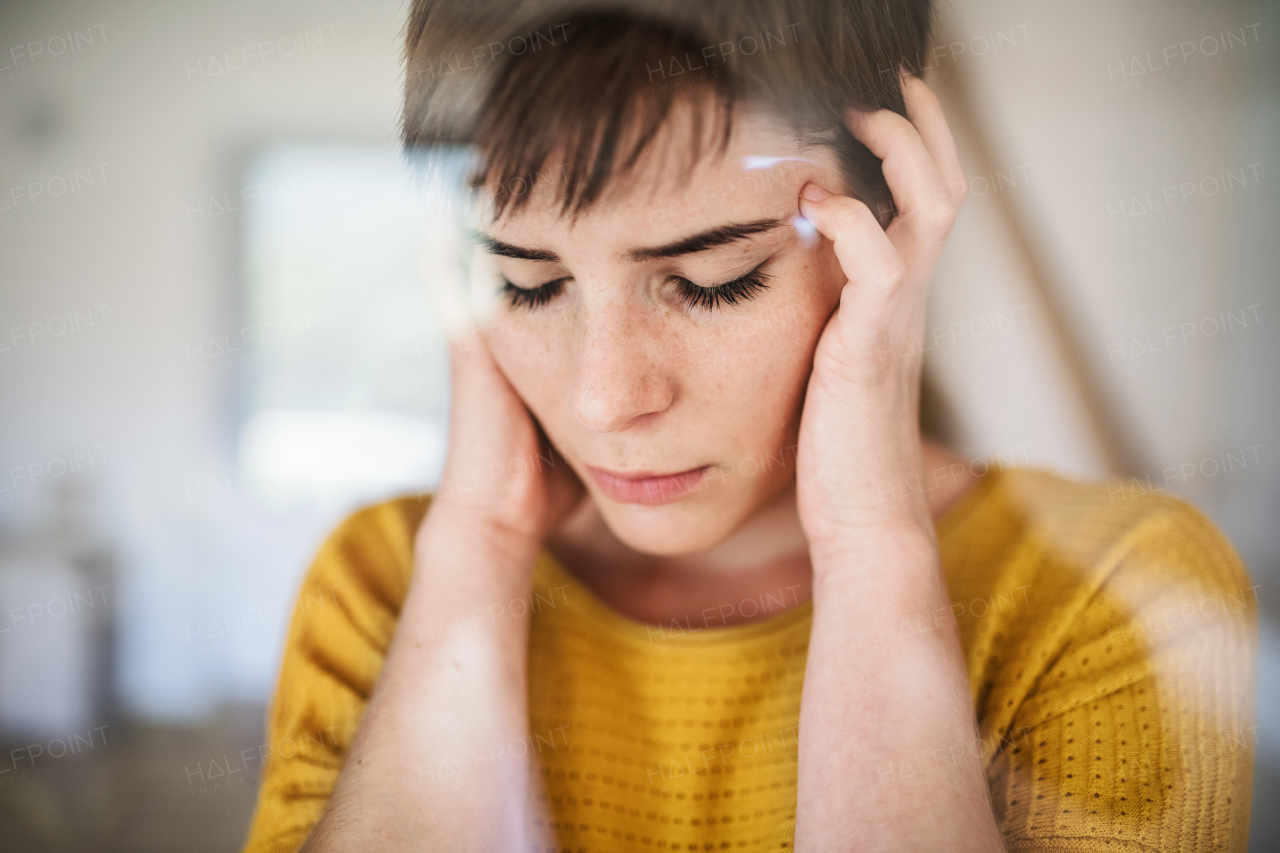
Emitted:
<point x="1051" y="577"/>
<point x="350" y="599"/>
<point x="1109" y="626"/>
<point x="370" y="554"/>
<point x="1084" y="533"/>
<point x="343" y="620"/>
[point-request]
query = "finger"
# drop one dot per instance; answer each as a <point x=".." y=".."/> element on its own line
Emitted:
<point x="919" y="190"/>
<point x="865" y="252"/>
<point x="482" y="402"/>
<point x="475" y="387"/>
<point x="486" y="425"/>
<point x="925" y="112"/>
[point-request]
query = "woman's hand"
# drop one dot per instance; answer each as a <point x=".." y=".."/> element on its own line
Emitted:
<point x="500" y="473"/>
<point x="874" y="700"/>
<point x="859" y="433"/>
<point x="455" y="677"/>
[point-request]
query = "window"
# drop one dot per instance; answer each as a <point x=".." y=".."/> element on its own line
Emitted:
<point x="346" y="378"/>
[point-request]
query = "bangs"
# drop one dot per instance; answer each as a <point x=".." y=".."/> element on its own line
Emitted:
<point x="548" y="93"/>
<point x="591" y="107"/>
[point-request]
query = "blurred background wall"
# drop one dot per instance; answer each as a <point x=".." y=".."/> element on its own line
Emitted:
<point x="212" y="346"/>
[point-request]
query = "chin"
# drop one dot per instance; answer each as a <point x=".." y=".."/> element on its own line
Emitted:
<point x="689" y="526"/>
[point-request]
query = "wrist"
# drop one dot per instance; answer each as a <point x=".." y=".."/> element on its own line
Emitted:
<point x="469" y="589"/>
<point x="464" y="560"/>
<point x="456" y="526"/>
<point x="904" y="549"/>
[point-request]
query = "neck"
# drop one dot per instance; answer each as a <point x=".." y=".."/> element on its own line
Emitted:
<point x="766" y="556"/>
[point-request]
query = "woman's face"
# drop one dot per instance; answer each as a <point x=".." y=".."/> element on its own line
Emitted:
<point x="677" y="404"/>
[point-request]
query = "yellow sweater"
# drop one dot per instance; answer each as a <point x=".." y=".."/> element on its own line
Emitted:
<point x="1109" y="637"/>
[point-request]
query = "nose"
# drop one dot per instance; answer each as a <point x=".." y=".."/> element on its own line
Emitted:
<point x="620" y="375"/>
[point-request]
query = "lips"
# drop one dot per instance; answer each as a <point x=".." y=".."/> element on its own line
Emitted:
<point x="648" y="488"/>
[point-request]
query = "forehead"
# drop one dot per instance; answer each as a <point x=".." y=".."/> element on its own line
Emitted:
<point x="669" y="194"/>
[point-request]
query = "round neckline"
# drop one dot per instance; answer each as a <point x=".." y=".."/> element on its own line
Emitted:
<point x="579" y="597"/>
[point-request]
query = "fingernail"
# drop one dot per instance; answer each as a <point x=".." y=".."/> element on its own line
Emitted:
<point x="813" y="192"/>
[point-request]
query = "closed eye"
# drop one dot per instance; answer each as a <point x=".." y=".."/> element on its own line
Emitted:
<point x="532" y="297"/>
<point x="696" y="296"/>
<point x="710" y="297"/>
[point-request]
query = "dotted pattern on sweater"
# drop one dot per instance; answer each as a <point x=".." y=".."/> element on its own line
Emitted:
<point x="1110" y="646"/>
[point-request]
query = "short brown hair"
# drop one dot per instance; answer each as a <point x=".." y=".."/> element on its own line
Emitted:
<point x="520" y="79"/>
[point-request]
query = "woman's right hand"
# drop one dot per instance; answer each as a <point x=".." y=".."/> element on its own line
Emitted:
<point x="454" y="679"/>
<point x="501" y="473"/>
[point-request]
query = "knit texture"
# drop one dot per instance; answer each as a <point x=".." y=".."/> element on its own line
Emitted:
<point x="1109" y="637"/>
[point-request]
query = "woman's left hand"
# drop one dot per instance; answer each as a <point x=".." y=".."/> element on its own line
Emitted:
<point x="871" y="699"/>
<point x="859" y="433"/>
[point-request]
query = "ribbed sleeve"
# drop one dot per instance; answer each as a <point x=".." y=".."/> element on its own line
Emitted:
<point x="342" y="625"/>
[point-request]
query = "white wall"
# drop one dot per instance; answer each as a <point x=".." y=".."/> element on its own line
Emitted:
<point x="144" y="254"/>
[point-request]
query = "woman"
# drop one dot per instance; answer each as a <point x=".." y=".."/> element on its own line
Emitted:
<point x="692" y="581"/>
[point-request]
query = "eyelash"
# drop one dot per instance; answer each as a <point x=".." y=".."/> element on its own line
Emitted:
<point x="532" y="297"/>
<point x="696" y="296"/>
<point x="740" y="289"/>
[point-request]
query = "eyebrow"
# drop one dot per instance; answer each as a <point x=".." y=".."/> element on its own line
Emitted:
<point x="506" y="250"/>
<point x="721" y="236"/>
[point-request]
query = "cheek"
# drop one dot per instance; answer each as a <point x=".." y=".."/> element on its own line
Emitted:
<point x="752" y="373"/>
<point x="770" y="371"/>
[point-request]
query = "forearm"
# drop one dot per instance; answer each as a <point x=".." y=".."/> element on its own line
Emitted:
<point x="887" y="730"/>
<point x="429" y="769"/>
